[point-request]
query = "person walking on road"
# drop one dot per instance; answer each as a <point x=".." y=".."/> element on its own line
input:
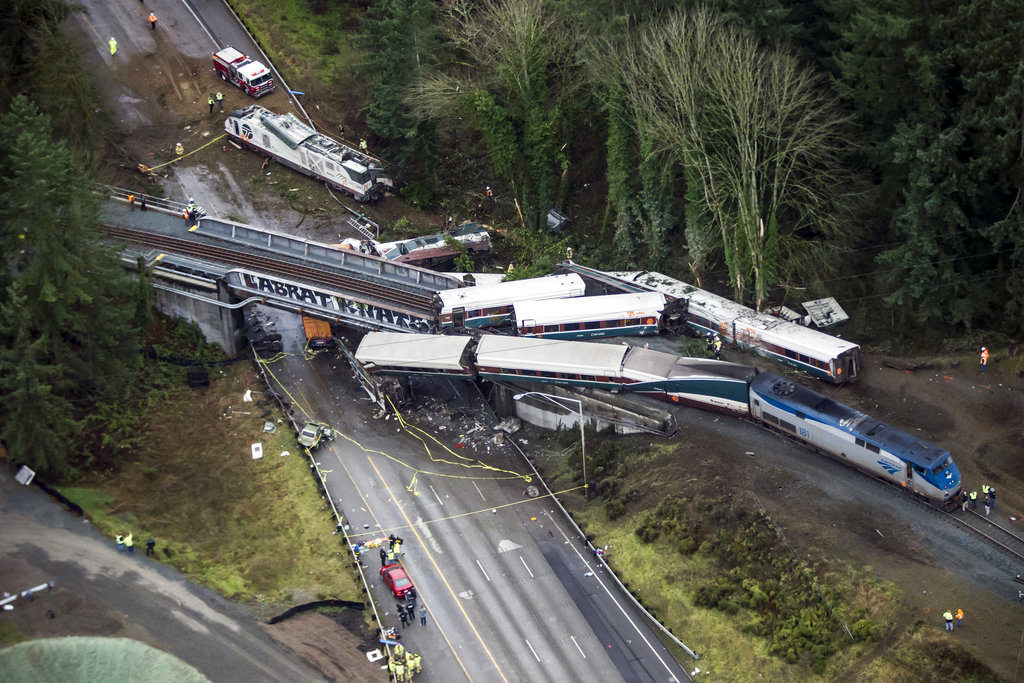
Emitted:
<point x="129" y="542"/>
<point x="220" y="100"/>
<point x="423" y="616"/>
<point x="383" y="557"/>
<point x="984" y="359"/>
<point x="948" y="616"/>
<point x="120" y="541"/>
<point x="959" y="618"/>
<point x="152" y="21"/>
<point x="150" y="547"/>
<point x="142" y="203"/>
<point x="113" y="46"/>
<point x="404" y="616"/>
<point x="131" y="201"/>
<point x="209" y="101"/>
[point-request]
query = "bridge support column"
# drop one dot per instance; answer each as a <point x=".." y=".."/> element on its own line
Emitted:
<point x="219" y="325"/>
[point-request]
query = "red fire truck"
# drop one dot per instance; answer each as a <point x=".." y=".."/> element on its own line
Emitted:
<point x="248" y="74"/>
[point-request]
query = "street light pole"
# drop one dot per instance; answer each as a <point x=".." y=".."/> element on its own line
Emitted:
<point x="583" y="434"/>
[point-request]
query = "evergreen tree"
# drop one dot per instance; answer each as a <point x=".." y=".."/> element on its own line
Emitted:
<point x="402" y="38"/>
<point x="66" y="338"/>
<point x="937" y="88"/>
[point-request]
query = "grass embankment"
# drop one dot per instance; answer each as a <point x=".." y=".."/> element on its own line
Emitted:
<point x="250" y="529"/>
<point x="715" y="569"/>
<point x="317" y="52"/>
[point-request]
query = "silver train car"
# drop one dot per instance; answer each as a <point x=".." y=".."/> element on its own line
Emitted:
<point x="818" y="354"/>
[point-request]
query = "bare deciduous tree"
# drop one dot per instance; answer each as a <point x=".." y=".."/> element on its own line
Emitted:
<point x="761" y="134"/>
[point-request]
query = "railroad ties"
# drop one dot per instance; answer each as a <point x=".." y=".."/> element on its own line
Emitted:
<point x="287" y="272"/>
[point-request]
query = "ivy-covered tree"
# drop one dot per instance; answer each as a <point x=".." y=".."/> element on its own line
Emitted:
<point x="512" y="79"/>
<point x="401" y="36"/>
<point x="66" y="334"/>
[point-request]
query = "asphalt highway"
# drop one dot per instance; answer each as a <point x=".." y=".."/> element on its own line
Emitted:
<point x="511" y="594"/>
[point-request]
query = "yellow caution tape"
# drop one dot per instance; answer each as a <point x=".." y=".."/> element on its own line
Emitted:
<point x="153" y="168"/>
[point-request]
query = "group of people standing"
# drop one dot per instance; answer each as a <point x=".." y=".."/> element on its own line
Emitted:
<point x="390" y="554"/>
<point x="403" y="664"/>
<point x="126" y="542"/>
<point x="970" y="500"/>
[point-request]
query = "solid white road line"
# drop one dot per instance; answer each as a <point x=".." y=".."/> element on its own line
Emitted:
<point x="614" y="599"/>
<point x="525" y="565"/>
<point x="482" y="569"/>
<point x="577" y="646"/>
<point x="532" y="650"/>
<point x="480" y="492"/>
<point x="436" y="496"/>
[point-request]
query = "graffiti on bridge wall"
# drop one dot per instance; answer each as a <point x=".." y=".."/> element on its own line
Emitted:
<point x="345" y="307"/>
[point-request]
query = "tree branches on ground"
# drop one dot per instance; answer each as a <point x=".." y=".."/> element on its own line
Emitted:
<point x="758" y="133"/>
<point x="512" y="78"/>
<point x="66" y="304"/>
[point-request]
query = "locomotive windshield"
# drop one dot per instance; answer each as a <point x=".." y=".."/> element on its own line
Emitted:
<point x="945" y="463"/>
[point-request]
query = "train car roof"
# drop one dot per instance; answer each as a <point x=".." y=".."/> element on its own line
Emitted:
<point x="432" y="351"/>
<point x="551" y="287"/>
<point x="586" y="308"/>
<point x="873" y="430"/>
<point x="799" y="338"/>
<point x="550" y="355"/>
<point x="651" y="364"/>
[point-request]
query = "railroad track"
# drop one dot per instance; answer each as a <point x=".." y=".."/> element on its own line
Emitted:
<point x="373" y="293"/>
<point x="1005" y="539"/>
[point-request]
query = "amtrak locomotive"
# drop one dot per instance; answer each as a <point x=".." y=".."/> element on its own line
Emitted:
<point x="850" y="435"/>
<point x="732" y="388"/>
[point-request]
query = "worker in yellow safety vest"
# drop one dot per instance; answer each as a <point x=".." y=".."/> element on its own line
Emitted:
<point x="129" y="543"/>
<point x="415" y="663"/>
<point x="400" y="671"/>
<point x="399" y="651"/>
<point x="391" y="666"/>
<point x="113" y="46"/>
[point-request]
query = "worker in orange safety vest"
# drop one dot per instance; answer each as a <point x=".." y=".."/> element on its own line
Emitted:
<point x="984" y="358"/>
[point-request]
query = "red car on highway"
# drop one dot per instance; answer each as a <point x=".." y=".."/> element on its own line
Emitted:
<point x="396" y="579"/>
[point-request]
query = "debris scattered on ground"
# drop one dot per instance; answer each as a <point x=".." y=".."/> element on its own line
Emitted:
<point x="269" y="427"/>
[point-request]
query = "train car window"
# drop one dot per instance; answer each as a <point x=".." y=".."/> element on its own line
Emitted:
<point x="756" y="402"/>
<point x="945" y="463"/>
<point x="786" y="425"/>
<point x="800" y="416"/>
<point x="871" y="447"/>
<point x="919" y="469"/>
<point x="771" y="418"/>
